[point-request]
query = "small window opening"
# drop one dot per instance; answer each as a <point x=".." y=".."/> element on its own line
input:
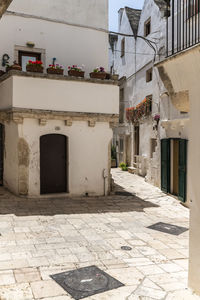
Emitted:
<point x="149" y="75"/>
<point x="147" y="27"/>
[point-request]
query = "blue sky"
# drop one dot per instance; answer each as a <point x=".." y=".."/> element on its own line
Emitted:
<point x="115" y="5"/>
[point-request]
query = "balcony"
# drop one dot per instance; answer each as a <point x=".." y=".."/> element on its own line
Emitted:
<point x="21" y="90"/>
<point x="183" y="26"/>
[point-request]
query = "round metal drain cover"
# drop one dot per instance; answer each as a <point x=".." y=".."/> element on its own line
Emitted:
<point x="89" y="281"/>
<point x="126" y="248"/>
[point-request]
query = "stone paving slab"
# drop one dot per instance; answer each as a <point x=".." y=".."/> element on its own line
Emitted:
<point x="41" y="237"/>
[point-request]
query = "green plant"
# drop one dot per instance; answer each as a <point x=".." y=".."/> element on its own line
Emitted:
<point x="124" y="169"/>
<point x="113" y="152"/>
<point x="99" y="70"/>
<point x="123" y="166"/>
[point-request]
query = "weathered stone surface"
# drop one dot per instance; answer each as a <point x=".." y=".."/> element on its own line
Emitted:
<point x="40" y="238"/>
<point x="23" y="160"/>
<point x="3" y="6"/>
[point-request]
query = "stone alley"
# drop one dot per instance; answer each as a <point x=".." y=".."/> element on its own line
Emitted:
<point x="43" y="237"/>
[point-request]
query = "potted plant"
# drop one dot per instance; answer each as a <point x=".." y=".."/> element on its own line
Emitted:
<point x="123" y="166"/>
<point x="55" y="69"/>
<point x="75" y="71"/>
<point x="15" y="66"/>
<point x="34" y="66"/>
<point x="98" y="73"/>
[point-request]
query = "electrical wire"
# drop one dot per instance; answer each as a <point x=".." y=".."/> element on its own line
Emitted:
<point x="128" y="52"/>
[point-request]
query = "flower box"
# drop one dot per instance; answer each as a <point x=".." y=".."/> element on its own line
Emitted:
<point x="55" y="71"/>
<point x="15" y="66"/>
<point x="98" y="75"/>
<point x="2" y="72"/>
<point x="76" y="73"/>
<point x="34" y="68"/>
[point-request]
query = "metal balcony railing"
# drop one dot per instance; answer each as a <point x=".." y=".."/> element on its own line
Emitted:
<point x="183" y="25"/>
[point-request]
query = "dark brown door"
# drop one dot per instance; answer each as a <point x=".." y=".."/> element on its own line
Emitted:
<point x="53" y="164"/>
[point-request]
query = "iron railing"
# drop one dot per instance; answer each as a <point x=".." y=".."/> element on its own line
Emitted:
<point x="183" y="25"/>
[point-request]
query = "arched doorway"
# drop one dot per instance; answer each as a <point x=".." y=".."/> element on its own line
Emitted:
<point x="53" y="163"/>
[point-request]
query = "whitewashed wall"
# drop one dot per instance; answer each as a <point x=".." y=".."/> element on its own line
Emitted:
<point x="90" y="143"/>
<point x="69" y="44"/>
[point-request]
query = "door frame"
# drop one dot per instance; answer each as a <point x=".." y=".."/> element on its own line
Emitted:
<point x="66" y="161"/>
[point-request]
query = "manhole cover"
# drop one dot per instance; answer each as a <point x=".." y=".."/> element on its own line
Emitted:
<point x="86" y="282"/>
<point x="123" y="194"/>
<point x="168" y="228"/>
<point x="126" y="248"/>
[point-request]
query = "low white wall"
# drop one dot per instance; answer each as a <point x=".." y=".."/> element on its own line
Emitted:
<point x="88" y="154"/>
<point x="59" y="95"/>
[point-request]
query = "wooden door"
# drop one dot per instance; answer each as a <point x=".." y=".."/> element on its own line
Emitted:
<point x="165" y="165"/>
<point x="53" y="164"/>
<point x="182" y="170"/>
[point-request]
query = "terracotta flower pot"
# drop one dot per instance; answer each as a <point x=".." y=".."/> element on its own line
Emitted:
<point x="115" y="77"/>
<point x="55" y="71"/>
<point x="14" y="67"/>
<point x="34" y="68"/>
<point x="98" y="75"/>
<point x="76" y="73"/>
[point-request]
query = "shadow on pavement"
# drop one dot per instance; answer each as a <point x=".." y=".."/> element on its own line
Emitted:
<point x="119" y="201"/>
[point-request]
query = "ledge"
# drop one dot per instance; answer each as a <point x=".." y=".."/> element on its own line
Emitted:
<point x="56" y="77"/>
<point x="174" y="56"/>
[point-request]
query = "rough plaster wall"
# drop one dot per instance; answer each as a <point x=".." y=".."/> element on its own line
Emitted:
<point x="87" y="12"/>
<point x="23" y="161"/>
<point x="88" y="154"/>
<point x="11" y="157"/>
<point x="3" y="6"/>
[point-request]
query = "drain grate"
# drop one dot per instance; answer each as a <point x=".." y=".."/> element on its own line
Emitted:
<point x="168" y="228"/>
<point x="126" y="248"/>
<point x="85" y="282"/>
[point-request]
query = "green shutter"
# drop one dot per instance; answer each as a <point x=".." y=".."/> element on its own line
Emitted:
<point x="182" y="170"/>
<point x="165" y="165"/>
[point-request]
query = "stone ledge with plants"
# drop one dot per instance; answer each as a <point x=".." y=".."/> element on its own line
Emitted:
<point x="98" y="73"/>
<point x="143" y="109"/>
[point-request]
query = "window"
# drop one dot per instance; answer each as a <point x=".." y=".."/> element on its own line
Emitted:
<point x="121" y="106"/>
<point x="24" y="57"/>
<point x="149" y="75"/>
<point x="147" y="27"/>
<point x="153" y="146"/>
<point x="122" y="47"/>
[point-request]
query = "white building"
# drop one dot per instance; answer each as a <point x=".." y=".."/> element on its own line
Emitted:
<point x="56" y="130"/>
<point x="180" y="75"/>
<point x="134" y="58"/>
